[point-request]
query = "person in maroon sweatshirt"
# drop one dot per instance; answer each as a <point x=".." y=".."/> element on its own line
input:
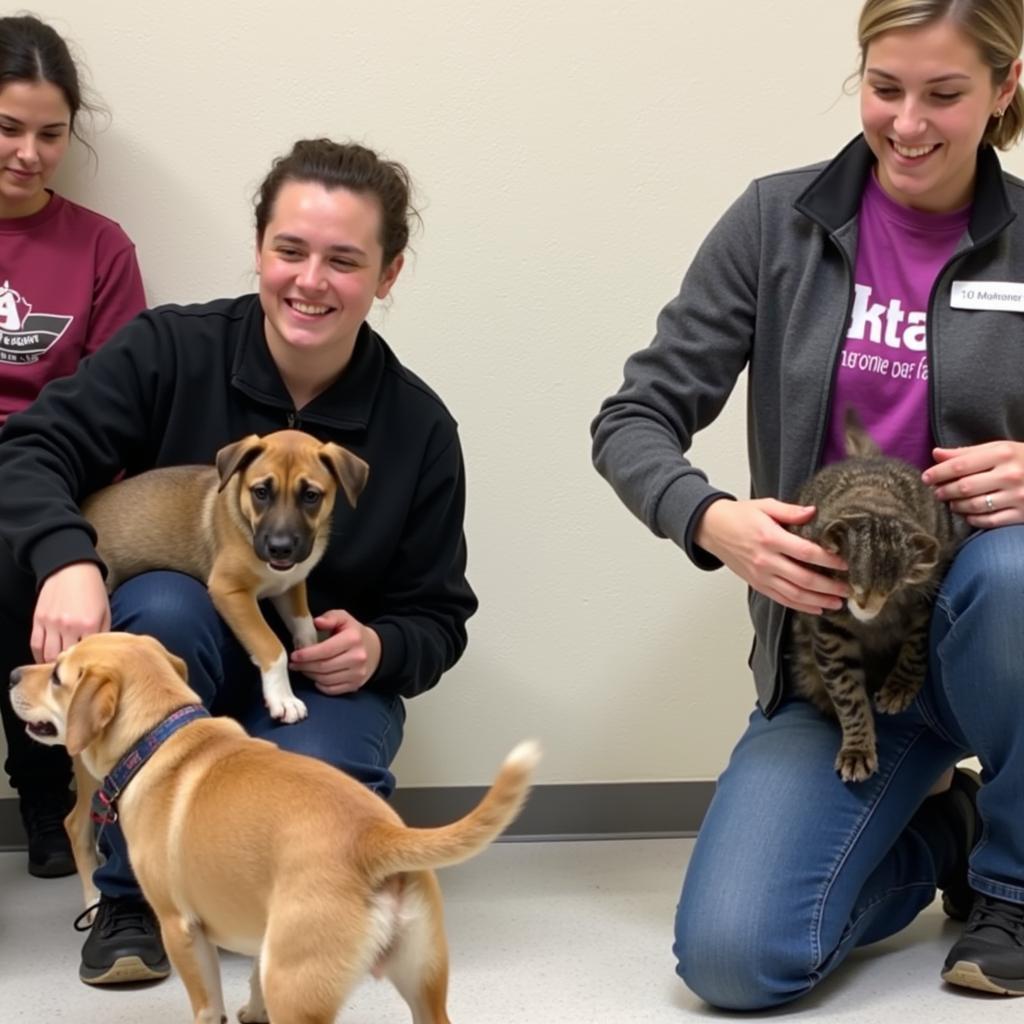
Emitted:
<point x="68" y="280"/>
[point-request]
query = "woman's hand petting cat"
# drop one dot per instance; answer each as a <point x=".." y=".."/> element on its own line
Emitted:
<point x="982" y="482"/>
<point x="750" y="537"/>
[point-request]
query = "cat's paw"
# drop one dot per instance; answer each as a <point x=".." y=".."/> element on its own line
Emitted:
<point x="255" y="1015"/>
<point x="855" y="764"/>
<point x="893" y="698"/>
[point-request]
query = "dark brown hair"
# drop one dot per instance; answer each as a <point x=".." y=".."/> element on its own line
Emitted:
<point x="32" y="51"/>
<point x="344" y="165"/>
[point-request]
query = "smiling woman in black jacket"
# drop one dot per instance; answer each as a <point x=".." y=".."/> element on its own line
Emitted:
<point x="179" y="382"/>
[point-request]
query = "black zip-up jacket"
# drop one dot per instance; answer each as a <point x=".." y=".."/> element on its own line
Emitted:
<point x="178" y="383"/>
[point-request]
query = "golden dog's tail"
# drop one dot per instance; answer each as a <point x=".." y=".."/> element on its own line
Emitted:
<point x="388" y="849"/>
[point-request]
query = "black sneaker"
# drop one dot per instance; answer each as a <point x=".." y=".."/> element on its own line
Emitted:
<point x="124" y="943"/>
<point x="990" y="954"/>
<point x="962" y="802"/>
<point x="49" y="849"/>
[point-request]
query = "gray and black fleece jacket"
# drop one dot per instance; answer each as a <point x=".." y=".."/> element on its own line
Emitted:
<point x="179" y="382"/>
<point x="770" y="291"/>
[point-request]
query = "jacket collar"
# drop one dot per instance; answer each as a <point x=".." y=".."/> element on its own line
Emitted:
<point x="345" y="405"/>
<point x="833" y="198"/>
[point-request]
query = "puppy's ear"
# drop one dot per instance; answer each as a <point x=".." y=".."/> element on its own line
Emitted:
<point x="349" y="470"/>
<point x="235" y="457"/>
<point x="92" y="709"/>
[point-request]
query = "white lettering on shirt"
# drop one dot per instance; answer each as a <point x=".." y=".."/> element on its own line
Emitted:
<point x="880" y="322"/>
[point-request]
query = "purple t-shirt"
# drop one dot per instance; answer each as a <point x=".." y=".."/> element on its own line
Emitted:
<point x="883" y="369"/>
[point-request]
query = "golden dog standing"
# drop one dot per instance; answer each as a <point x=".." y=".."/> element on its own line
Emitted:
<point x="241" y="845"/>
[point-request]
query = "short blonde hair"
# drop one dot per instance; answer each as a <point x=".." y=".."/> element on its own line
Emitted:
<point x="995" y="26"/>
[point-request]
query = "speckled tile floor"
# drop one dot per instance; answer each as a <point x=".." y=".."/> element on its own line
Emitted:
<point x="546" y="933"/>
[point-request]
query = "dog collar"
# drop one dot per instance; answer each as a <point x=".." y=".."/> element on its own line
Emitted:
<point x="104" y="802"/>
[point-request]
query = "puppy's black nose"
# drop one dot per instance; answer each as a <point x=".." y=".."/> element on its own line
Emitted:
<point x="15" y="678"/>
<point x="281" y="545"/>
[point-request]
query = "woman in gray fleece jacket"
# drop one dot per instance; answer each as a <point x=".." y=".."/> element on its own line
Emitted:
<point x="890" y="279"/>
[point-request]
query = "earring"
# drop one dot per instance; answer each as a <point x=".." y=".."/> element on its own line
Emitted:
<point x="998" y="114"/>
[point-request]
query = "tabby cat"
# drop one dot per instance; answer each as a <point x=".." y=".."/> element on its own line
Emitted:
<point x="898" y="540"/>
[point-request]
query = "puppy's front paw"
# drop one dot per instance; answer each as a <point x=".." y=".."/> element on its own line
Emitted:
<point x="855" y="764"/>
<point x="288" y="709"/>
<point x="257" y="1015"/>
<point x="278" y="695"/>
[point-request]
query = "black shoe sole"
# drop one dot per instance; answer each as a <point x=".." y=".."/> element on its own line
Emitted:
<point x="55" y="867"/>
<point x="969" y="975"/>
<point x="124" y="970"/>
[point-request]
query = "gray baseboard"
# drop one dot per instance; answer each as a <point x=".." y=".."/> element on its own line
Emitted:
<point x="606" y="810"/>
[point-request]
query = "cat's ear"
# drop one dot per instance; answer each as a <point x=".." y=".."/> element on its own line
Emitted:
<point x="833" y="536"/>
<point x="925" y="549"/>
<point x="858" y="440"/>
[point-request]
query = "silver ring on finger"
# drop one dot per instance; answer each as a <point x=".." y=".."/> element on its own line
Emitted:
<point x="989" y="503"/>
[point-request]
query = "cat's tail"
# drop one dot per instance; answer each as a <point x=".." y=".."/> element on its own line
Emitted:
<point x="858" y="441"/>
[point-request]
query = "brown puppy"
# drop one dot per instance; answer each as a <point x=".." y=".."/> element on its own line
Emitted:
<point x="254" y="526"/>
<point x="241" y="845"/>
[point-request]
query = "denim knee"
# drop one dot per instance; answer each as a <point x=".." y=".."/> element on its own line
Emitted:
<point x="177" y="610"/>
<point x="745" y="960"/>
<point x="979" y="610"/>
<point x="988" y="570"/>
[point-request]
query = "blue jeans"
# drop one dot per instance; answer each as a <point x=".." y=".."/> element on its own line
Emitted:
<point x="359" y="733"/>
<point x="793" y="868"/>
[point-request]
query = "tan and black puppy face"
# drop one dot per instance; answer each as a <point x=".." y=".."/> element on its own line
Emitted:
<point x="287" y="488"/>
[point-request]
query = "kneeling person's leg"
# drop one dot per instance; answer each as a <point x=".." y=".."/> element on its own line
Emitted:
<point x="793" y="868"/>
<point x="124" y="942"/>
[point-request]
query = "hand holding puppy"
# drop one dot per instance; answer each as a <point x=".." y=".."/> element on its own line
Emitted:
<point x="345" y="660"/>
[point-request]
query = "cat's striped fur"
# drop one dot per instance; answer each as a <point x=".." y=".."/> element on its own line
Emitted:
<point x="898" y="540"/>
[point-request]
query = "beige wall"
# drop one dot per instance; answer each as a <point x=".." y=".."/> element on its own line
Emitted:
<point x="569" y="161"/>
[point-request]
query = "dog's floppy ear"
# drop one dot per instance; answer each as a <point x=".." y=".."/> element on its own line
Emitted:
<point x="349" y="470"/>
<point x="92" y="709"/>
<point x="234" y="457"/>
<point x="179" y="666"/>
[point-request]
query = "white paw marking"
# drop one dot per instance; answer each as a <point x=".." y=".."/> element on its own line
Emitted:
<point x="278" y="695"/>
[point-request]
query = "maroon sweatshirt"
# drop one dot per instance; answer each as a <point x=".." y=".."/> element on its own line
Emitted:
<point x="68" y="280"/>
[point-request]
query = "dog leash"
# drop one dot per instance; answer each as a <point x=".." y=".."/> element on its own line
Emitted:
<point x="104" y="801"/>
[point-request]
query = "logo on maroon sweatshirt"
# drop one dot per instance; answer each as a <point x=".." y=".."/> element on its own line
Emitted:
<point x="24" y="335"/>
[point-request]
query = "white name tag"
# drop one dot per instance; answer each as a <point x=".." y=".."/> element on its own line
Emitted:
<point x="987" y="295"/>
